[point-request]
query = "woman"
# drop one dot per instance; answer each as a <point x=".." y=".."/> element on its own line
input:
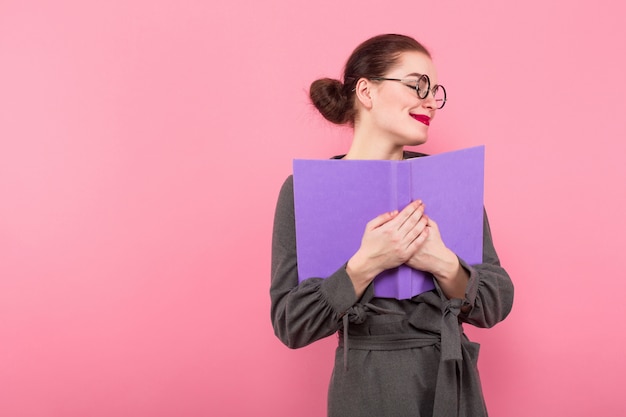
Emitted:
<point x="406" y="357"/>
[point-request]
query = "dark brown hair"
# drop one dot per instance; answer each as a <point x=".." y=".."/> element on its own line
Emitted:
<point x="373" y="58"/>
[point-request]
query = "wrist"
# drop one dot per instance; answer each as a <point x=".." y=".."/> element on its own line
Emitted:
<point x="448" y="268"/>
<point x="452" y="277"/>
<point x="360" y="271"/>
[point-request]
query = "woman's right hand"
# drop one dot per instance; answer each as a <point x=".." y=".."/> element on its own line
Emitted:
<point x="389" y="240"/>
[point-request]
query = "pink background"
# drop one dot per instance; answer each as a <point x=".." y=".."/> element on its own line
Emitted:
<point x="142" y="147"/>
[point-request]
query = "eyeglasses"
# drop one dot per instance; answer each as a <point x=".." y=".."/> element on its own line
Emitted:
<point x="421" y="87"/>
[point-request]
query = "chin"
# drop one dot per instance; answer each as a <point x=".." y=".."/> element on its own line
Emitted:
<point x="417" y="141"/>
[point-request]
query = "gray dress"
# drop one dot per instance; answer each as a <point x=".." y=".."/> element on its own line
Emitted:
<point x="394" y="358"/>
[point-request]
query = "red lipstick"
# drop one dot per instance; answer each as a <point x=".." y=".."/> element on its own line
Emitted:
<point x="421" y="118"/>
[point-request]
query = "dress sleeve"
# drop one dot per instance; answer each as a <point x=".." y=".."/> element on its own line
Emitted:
<point x="311" y="310"/>
<point x="489" y="294"/>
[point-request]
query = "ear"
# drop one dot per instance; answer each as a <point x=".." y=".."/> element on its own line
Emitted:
<point x="363" y="92"/>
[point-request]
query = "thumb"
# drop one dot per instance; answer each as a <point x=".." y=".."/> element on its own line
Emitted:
<point x="432" y="224"/>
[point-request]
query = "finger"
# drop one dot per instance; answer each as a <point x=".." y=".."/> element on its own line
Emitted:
<point x="420" y="230"/>
<point x="381" y="219"/>
<point x="413" y="211"/>
<point x="414" y="225"/>
<point x="420" y="239"/>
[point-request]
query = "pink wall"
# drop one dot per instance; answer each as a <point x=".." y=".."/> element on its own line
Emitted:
<point x="142" y="146"/>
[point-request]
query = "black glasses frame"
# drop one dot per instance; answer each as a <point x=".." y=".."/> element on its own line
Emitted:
<point x="422" y="94"/>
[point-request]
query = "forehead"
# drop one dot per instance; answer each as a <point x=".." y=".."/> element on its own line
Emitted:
<point x="414" y="62"/>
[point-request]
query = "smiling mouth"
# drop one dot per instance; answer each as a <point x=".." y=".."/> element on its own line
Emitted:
<point x="421" y="118"/>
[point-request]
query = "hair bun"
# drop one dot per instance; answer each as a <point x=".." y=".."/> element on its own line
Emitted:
<point x="330" y="99"/>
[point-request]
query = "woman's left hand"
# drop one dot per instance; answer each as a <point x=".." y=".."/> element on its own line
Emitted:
<point x="435" y="257"/>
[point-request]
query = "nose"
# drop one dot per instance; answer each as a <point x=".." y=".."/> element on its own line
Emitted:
<point x="429" y="102"/>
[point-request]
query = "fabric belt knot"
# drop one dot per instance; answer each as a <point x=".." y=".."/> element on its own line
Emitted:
<point x="450" y="331"/>
<point x="357" y="314"/>
<point x="449" y="377"/>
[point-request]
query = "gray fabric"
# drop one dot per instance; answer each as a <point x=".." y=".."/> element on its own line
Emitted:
<point x="416" y="363"/>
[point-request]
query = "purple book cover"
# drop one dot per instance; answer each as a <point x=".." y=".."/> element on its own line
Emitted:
<point x="334" y="199"/>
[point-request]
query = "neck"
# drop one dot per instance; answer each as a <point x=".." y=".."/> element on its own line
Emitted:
<point x="369" y="146"/>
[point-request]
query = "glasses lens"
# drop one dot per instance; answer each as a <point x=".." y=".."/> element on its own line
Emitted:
<point x="439" y="93"/>
<point x="423" y="86"/>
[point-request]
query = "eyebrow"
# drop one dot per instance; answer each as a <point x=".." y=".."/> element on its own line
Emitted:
<point x="415" y="74"/>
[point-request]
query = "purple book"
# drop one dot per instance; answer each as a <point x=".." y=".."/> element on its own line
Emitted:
<point x="334" y="199"/>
